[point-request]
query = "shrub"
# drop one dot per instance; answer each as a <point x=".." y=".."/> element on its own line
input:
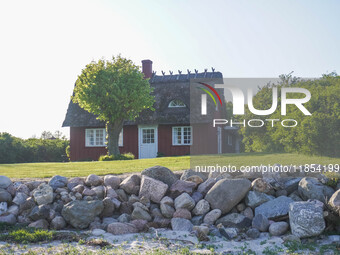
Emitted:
<point x="125" y="156"/>
<point x="28" y="236"/>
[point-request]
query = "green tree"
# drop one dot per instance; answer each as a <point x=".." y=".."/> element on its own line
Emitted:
<point x="115" y="91"/>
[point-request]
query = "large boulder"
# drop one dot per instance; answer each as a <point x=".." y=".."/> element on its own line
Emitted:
<point x="204" y="187"/>
<point x="39" y="212"/>
<point x="118" y="228"/>
<point x="234" y="220"/>
<point x="152" y="189"/>
<point x="112" y="181"/>
<point x="180" y="224"/>
<point x="140" y="214"/>
<point x="334" y="202"/>
<point x="275" y="208"/>
<point x="292" y="185"/>
<point x="255" y="198"/>
<point x="43" y="194"/>
<point x="184" y="201"/>
<point x="189" y="172"/>
<point x="306" y="218"/>
<point x="260" y="222"/>
<point x="58" y="181"/>
<point x="131" y="184"/>
<point x="58" y="223"/>
<point x="4" y="182"/>
<point x="109" y="207"/>
<point x="80" y="214"/>
<point x="226" y="194"/>
<point x="312" y="188"/>
<point x="20" y="198"/>
<point x="5" y="196"/>
<point x="180" y="187"/>
<point x="93" y="180"/>
<point x="160" y="173"/>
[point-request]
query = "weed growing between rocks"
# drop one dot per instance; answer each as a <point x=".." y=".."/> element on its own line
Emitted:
<point x="27" y="235"/>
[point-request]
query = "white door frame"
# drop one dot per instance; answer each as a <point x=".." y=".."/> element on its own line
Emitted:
<point x="219" y="140"/>
<point x="140" y="137"/>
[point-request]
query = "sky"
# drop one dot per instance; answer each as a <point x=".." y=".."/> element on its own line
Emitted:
<point x="44" y="45"/>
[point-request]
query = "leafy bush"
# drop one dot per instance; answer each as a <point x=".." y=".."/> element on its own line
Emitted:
<point x="17" y="150"/>
<point x="125" y="156"/>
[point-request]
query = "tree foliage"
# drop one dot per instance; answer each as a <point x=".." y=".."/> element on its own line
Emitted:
<point x="115" y="91"/>
<point x="318" y="134"/>
<point x="17" y="150"/>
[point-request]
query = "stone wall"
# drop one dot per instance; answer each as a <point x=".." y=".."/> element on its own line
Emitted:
<point x="158" y="198"/>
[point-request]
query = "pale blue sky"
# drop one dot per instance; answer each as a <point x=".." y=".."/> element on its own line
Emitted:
<point x="45" y="44"/>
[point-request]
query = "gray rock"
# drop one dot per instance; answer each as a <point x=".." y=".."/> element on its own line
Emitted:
<point x="182" y="213"/>
<point x="261" y="223"/>
<point x="334" y="202"/>
<point x="295" y="197"/>
<point x="58" y="181"/>
<point x="167" y="200"/>
<point x="274" y="208"/>
<point x="197" y="196"/>
<point x="255" y="198"/>
<point x="9" y="219"/>
<point x="180" y="224"/>
<point x="201" y="208"/>
<point x="111" y="193"/>
<point x="278" y="228"/>
<point x="43" y="194"/>
<point x="58" y="223"/>
<point x="292" y="185"/>
<point x="20" y="198"/>
<point x="107" y="221"/>
<point x="27" y="205"/>
<point x="212" y="216"/>
<point x="131" y="184"/>
<point x="197" y="220"/>
<point x="253" y="233"/>
<point x="226" y="194"/>
<point x="167" y="210"/>
<point x="140" y="214"/>
<point x="34" y="184"/>
<point x="229" y="233"/>
<point x="109" y="207"/>
<point x="234" y="220"/>
<point x="100" y="191"/>
<point x="74" y="182"/>
<point x="248" y="212"/>
<point x="11" y="190"/>
<point x="98" y="232"/>
<point x="4" y="182"/>
<point x="42" y="224"/>
<point x="5" y="196"/>
<point x="122" y="196"/>
<point x="152" y="189"/>
<point x="160" y="173"/>
<point x="189" y="172"/>
<point x="124" y="218"/>
<point x="184" y="201"/>
<point x="118" y="228"/>
<point x="93" y="180"/>
<point x="306" y="218"/>
<point x="112" y="181"/>
<point x="179" y="187"/>
<point x="39" y="212"/>
<point x="260" y="185"/>
<point x="80" y="214"/>
<point x="204" y="187"/>
<point x="3" y="207"/>
<point x="24" y="189"/>
<point x="311" y="188"/>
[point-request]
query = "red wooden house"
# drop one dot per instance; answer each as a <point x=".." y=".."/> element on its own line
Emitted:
<point x="167" y="131"/>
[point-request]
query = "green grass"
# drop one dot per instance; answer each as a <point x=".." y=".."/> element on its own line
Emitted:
<point x="73" y="169"/>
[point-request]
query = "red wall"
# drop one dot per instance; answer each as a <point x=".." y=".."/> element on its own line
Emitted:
<point x="80" y="152"/>
<point x="165" y="142"/>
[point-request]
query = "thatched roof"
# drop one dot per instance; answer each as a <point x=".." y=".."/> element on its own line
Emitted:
<point x="166" y="89"/>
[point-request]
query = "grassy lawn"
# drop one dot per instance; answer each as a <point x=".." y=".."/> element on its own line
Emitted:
<point x="73" y="169"/>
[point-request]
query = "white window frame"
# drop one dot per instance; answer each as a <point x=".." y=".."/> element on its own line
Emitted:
<point x="175" y="141"/>
<point x="176" y="106"/>
<point x="87" y="142"/>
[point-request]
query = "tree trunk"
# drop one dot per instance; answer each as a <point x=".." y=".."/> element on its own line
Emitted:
<point x="113" y="131"/>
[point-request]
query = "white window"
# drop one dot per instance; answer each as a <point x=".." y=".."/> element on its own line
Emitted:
<point x="230" y="140"/>
<point x="181" y="135"/>
<point x="176" y="103"/>
<point x="96" y="137"/>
